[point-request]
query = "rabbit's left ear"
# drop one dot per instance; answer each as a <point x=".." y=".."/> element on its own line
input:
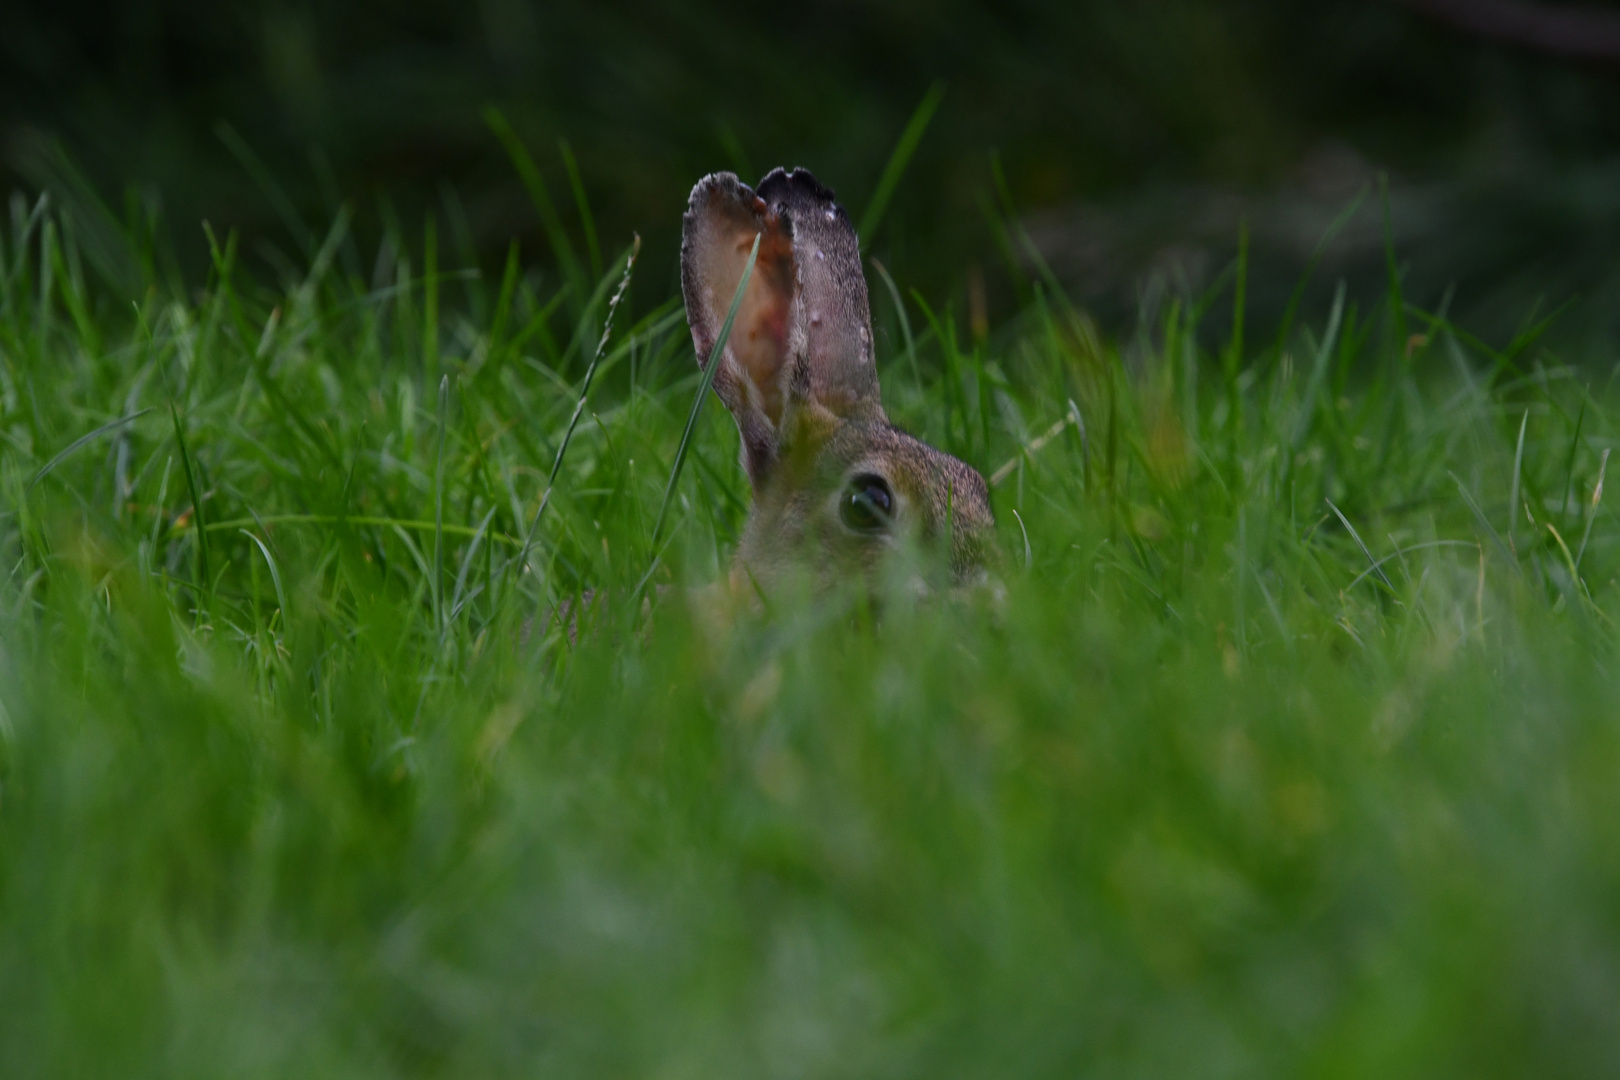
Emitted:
<point x="723" y="219"/>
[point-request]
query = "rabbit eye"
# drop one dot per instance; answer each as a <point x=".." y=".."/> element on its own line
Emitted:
<point x="867" y="504"/>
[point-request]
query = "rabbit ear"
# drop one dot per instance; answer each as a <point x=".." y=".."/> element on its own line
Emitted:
<point x="722" y="220"/>
<point x="832" y="318"/>
<point x="803" y="332"/>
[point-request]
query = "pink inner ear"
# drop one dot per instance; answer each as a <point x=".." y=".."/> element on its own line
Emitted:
<point x="759" y="338"/>
<point x="722" y="220"/>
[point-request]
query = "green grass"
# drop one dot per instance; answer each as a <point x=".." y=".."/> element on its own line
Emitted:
<point x="1292" y="749"/>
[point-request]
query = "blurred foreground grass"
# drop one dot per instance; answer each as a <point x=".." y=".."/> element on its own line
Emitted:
<point x="1224" y="788"/>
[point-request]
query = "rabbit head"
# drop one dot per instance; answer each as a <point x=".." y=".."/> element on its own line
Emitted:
<point x="836" y="486"/>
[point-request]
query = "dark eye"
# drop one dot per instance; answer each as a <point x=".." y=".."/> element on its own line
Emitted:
<point x="867" y="504"/>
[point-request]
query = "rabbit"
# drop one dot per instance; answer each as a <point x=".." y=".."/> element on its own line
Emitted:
<point x="836" y="486"/>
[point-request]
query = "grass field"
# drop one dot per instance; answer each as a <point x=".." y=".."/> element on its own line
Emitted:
<point x="1291" y="750"/>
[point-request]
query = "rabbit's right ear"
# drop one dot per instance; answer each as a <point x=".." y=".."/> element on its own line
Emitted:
<point x="722" y="220"/>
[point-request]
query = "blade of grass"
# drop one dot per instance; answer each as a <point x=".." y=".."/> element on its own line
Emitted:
<point x="196" y="497"/>
<point x="579" y="405"/>
<point x="1404" y="552"/>
<point x="896" y="168"/>
<point x="417" y="557"/>
<point x="1085" y="445"/>
<point x="1351" y="529"/>
<point x="1518" y="469"/>
<point x="275" y="574"/>
<point x="1530" y="332"/>
<point x="1233" y="360"/>
<point x="63" y="261"/>
<point x="1392" y="270"/>
<point x="266" y="181"/>
<point x="503" y="303"/>
<point x="1324" y="352"/>
<point x="1337" y="226"/>
<point x="364" y="521"/>
<point x="67" y="452"/>
<point x="1029" y="555"/>
<point x="437" y="583"/>
<point x="538" y="193"/>
<point x="586" y="220"/>
<point x="1597" y="498"/>
<point x="459" y="597"/>
<point x="321" y="264"/>
<point x="704" y="386"/>
<point x="22" y="235"/>
<point x="1029" y="450"/>
<point x="430" y="301"/>
<point x="1485" y="524"/>
<point x="157" y="507"/>
<point x="1569" y="465"/>
<point x="905" y="321"/>
<point x="943" y="328"/>
<point x="47" y="278"/>
<point x="1001" y="236"/>
<point x="1569" y="560"/>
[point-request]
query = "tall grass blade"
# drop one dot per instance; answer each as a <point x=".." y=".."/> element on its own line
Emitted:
<point x="1401" y="554"/>
<point x="579" y="405"/>
<point x="67" y="452"/>
<point x="1319" y="366"/>
<point x="896" y="168"/>
<point x="363" y="521"/>
<point x="1233" y="360"/>
<point x="1286" y="327"/>
<point x="1569" y="465"/>
<point x="539" y="194"/>
<point x="905" y="320"/>
<point x="1029" y="555"/>
<point x="437" y="583"/>
<point x="1518" y="471"/>
<point x="503" y="302"/>
<point x="157" y="507"/>
<point x="459" y="598"/>
<point x="587" y="221"/>
<point x="275" y="573"/>
<point x="430" y="301"/>
<point x="1085" y="445"/>
<point x="1597" y="499"/>
<point x="22" y="234"/>
<point x="1485" y="524"/>
<point x="1351" y="529"/>
<point x="1392" y="271"/>
<point x="195" y="489"/>
<point x="266" y="181"/>
<point x="709" y="369"/>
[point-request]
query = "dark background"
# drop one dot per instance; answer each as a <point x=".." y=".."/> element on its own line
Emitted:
<point x="1134" y="138"/>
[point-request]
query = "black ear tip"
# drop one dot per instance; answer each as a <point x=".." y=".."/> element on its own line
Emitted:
<point x="796" y="184"/>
